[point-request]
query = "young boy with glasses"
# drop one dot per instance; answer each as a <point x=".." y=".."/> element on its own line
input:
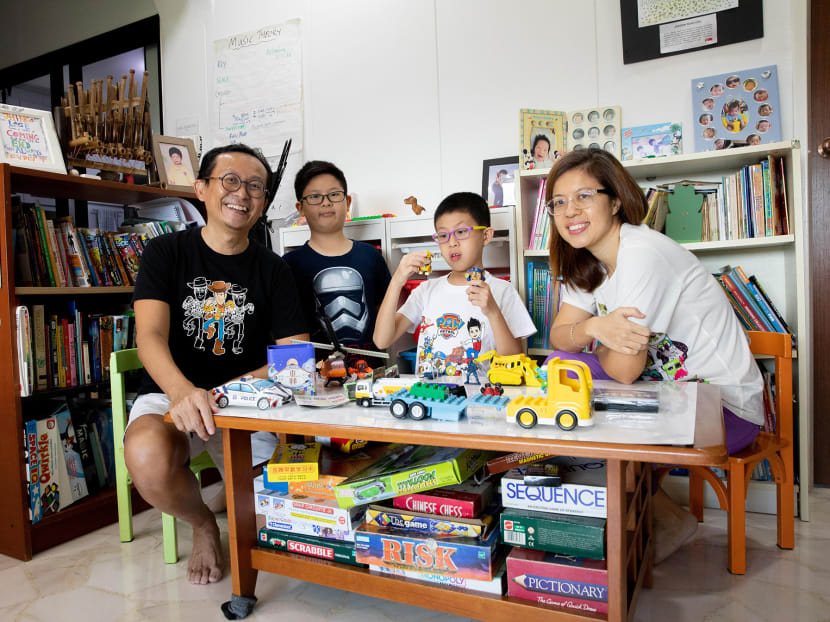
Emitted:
<point x="342" y="278"/>
<point x="455" y="315"/>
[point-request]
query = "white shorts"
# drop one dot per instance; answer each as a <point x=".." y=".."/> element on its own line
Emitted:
<point x="159" y="404"/>
<point x="262" y="443"/>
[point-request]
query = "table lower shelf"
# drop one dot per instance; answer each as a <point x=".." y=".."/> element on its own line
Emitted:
<point x="459" y="602"/>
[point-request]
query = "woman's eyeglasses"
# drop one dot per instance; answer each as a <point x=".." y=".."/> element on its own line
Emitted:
<point x="582" y="200"/>
<point x="462" y="233"/>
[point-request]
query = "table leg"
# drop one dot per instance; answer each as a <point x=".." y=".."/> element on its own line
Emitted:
<point x="616" y="553"/>
<point x="241" y="519"/>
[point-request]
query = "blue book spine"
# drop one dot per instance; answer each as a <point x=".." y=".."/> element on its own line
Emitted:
<point x="95" y="349"/>
<point x="768" y="312"/>
<point x="750" y="299"/>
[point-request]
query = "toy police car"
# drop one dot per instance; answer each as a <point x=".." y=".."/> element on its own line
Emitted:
<point x="251" y="391"/>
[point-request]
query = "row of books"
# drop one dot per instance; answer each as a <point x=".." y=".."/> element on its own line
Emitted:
<point x="543" y="300"/>
<point x="71" y="348"/>
<point x="540" y="230"/>
<point x="750" y="203"/>
<point x="69" y="455"/>
<point x="53" y="252"/>
<point x="752" y="305"/>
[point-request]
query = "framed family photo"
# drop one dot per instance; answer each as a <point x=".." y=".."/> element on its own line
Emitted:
<point x="29" y="139"/>
<point x="542" y="137"/>
<point x="176" y="161"/>
<point x="498" y="181"/>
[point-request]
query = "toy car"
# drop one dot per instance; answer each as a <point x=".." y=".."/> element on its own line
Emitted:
<point x="251" y="391"/>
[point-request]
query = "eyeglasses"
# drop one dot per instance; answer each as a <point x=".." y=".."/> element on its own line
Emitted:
<point x="317" y="199"/>
<point x="232" y="182"/>
<point x="582" y="200"/>
<point x="462" y="233"/>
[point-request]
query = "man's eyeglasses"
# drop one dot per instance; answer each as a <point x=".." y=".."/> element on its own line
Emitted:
<point x="232" y="182"/>
<point x="317" y="199"/>
<point x="582" y="200"/>
<point x="462" y="233"/>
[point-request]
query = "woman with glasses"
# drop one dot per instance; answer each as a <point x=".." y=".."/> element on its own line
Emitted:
<point x="654" y="309"/>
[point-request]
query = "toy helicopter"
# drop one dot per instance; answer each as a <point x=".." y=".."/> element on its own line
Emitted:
<point x="333" y="368"/>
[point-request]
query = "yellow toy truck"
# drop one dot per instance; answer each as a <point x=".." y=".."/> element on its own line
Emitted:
<point x="567" y="403"/>
<point x="511" y="369"/>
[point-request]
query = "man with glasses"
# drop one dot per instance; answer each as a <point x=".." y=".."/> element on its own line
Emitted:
<point x="474" y="316"/>
<point x="182" y="301"/>
<point x="341" y="278"/>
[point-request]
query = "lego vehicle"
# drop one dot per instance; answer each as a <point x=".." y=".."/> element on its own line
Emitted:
<point x="424" y="400"/>
<point x="567" y="403"/>
<point x="251" y="391"/>
<point x="512" y="369"/>
<point x="369" y="392"/>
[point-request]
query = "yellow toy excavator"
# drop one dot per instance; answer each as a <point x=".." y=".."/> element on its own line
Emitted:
<point x="511" y="369"/>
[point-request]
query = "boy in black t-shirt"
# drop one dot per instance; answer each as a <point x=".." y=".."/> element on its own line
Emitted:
<point x="342" y="278"/>
<point x="207" y="304"/>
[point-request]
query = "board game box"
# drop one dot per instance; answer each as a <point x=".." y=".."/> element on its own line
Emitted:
<point x="342" y="552"/>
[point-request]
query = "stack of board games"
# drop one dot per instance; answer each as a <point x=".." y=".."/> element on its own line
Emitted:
<point x="554" y="517"/>
<point x="454" y="542"/>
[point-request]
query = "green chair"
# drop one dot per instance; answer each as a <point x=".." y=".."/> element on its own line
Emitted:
<point x="120" y="363"/>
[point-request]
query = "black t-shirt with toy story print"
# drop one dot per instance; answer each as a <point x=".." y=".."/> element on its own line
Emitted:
<point x="224" y="309"/>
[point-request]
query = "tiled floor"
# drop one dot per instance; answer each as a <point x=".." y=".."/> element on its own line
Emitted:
<point x="95" y="578"/>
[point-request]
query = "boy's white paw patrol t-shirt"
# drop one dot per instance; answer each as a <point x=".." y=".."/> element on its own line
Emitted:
<point x="695" y="335"/>
<point x="454" y="331"/>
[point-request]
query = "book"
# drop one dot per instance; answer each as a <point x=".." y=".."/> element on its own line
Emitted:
<point x="760" y="301"/>
<point x="71" y="454"/>
<point x="48" y="254"/>
<point x="77" y="264"/>
<point x="84" y="442"/>
<point x="48" y="481"/>
<point x="25" y="357"/>
<point x="57" y="254"/>
<point x="39" y="329"/>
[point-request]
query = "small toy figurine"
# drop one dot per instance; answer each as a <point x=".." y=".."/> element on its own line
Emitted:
<point x="413" y="203"/>
<point x="426" y="269"/>
<point x="333" y="369"/>
<point x="361" y="369"/>
<point x="492" y="389"/>
<point x="251" y="391"/>
<point x="474" y="274"/>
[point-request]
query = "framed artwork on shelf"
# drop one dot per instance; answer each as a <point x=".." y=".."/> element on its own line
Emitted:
<point x="176" y="161"/>
<point x="649" y="141"/>
<point x="29" y="139"/>
<point x="498" y="181"/>
<point x="542" y="137"/>
<point x="736" y="109"/>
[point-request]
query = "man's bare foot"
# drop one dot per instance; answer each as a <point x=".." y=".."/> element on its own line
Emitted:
<point x="207" y="563"/>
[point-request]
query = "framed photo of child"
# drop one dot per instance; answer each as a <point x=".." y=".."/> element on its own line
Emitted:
<point x="176" y="161"/>
<point x="29" y="139"/>
<point x="498" y="181"/>
<point x="541" y="137"/>
<point x="736" y="109"/>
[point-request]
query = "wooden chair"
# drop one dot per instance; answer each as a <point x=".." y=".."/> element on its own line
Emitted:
<point x="776" y="447"/>
<point x="120" y="363"/>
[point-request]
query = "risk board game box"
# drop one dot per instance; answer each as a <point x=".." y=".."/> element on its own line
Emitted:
<point x="582" y="492"/>
<point x="565" y="534"/>
<point x="331" y="550"/>
<point x="469" y="558"/>
<point x="408" y="469"/>
<point x="465" y="500"/>
<point x="560" y="580"/>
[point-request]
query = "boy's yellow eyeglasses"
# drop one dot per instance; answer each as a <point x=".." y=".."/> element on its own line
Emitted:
<point x="462" y="233"/>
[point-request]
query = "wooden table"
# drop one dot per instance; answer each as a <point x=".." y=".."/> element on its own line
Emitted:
<point x="629" y="541"/>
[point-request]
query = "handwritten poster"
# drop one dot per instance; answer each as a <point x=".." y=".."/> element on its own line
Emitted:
<point x="258" y="98"/>
<point x="28" y="139"/>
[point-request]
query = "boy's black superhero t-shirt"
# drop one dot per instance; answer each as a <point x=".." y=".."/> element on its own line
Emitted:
<point x="224" y="309"/>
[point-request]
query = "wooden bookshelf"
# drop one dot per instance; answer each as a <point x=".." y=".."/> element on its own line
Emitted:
<point x="18" y="537"/>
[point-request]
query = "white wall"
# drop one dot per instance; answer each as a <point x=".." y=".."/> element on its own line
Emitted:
<point x="409" y="96"/>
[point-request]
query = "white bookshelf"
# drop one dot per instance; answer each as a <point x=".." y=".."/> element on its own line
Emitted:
<point x="778" y="261"/>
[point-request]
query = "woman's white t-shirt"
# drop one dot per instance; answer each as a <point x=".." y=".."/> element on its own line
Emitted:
<point x="694" y="332"/>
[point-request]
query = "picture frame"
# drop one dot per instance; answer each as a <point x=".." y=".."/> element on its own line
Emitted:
<point x="651" y="141"/>
<point x="536" y="127"/>
<point x="29" y="139"/>
<point x="500" y="174"/>
<point x="176" y="162"/>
